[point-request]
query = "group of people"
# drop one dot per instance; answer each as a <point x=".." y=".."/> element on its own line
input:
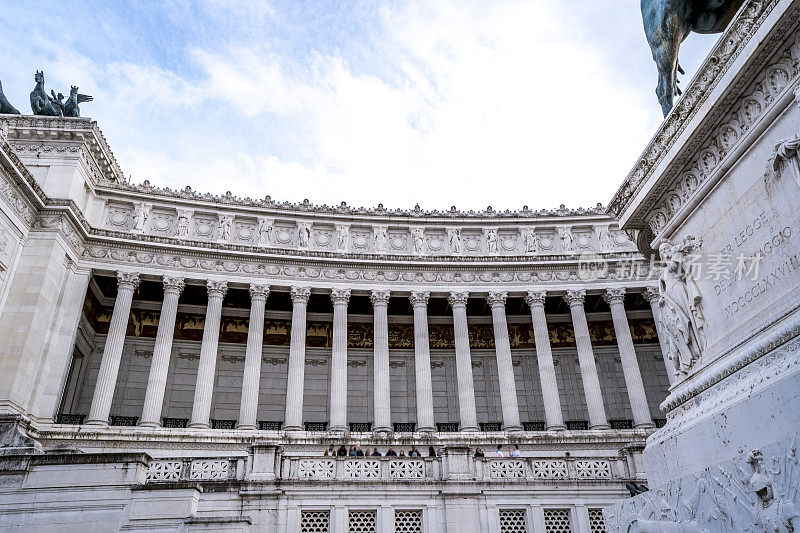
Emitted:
<point x="356" y="451"/>
<point x="514" y="452"/>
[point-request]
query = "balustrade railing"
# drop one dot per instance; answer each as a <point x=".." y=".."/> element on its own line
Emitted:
<point x="361" y="468"/>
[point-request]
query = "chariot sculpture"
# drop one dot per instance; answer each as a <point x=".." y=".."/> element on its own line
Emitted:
<point x="667" y="23"/>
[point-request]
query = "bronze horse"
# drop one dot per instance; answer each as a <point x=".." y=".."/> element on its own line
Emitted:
<point x="668" y="22"/>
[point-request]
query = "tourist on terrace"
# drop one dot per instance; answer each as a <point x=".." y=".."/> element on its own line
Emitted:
<point x="352" y="452"/>
<point x="402" y="453"/>
<point x="414" y="452"/>
<point x="515" y="451"/>
<point x="331" y="451"/>
<point x="479" y="453"/>
<point x="342" y="451"/>
<point x="390" y="452"/>
<point x="500" y="451"/>
<point x="359" y="451"/>
<point x="375" y="452"/>
<point x="431" y="451"/>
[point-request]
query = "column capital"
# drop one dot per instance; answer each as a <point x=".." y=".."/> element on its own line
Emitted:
<point x="420" y="298"/>
<point x="127" y="279"/>
<point x="614" y="296"/>
<point x="300" y="294"/>
<point x="575" y="297"/>
<point x="497" y="299"/>
<point x="259" y="291"/>
<point x="458" y="299"/>
<point x="217" y="288"/>
<point x="340" y="296"/>
<point x="651" y="293"/>
<point x="380" y="297"/>
<point x="173" y="284"/>
<point x="535" y="298"/>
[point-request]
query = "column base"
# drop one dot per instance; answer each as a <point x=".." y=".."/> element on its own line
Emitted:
<point x="293" y="429"/>
<point x="513" y="429"/>
<point x="96" y="423"/>
<point x="200" y="425"/>
<point x="383" y="432"/>
<point x="145" y="424"/>
<point x="247" y="427"/>
<point x="427" y="430"/>
<point x="557" y="427"/>
<point x="338" y="431"/>
<point x="645" y="425"/>
<point x="469" y="429"/>
<point x="600" y="426"/>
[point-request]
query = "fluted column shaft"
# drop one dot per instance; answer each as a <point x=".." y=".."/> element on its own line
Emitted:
<point x="297" y="360"/>
<point x="159" y="366"/>
<point x="505" y="367"/>
<point x="422" y="363"/>
<point x="112" y="352"/>
<point x="204" y="388"/>
<point x="466" y="387"/>
<point x="338" y="422"/>
<point x="589" y="377"/>
<point x="630" y="363"/>
<point x="251" y="380"/>
<point x="544" y="357"/>
<point x="380" y="304"/>
<point x="652" y="295"/>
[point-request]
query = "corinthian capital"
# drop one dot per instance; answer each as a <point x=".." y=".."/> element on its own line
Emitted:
<point x="258" y="291"/>
<point x="419" y="298"/>
<point x="651" y="294"/>
<point x="614" y="296"/>
<point x="458" y="299"/>
<point x="173" y="284"/>
<point x="340" y="296"/>
<point x="127" y="279"/>
<point x="497" y="299"/>
<point x="380" y="298"/>
<point x="300" y="294"/>
<point x="534" y="298"/>
<point x="575" y="297"/>
<point x="217" y="288"/>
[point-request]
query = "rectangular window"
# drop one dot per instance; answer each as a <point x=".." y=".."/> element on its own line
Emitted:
<point x="557" y="521"/>
<point x="408" y="521"/>
<point x="315" y="521"/>
<point x="596" y="521"/>
<point x="362" y="522"/>
<point x="512" y="521"/>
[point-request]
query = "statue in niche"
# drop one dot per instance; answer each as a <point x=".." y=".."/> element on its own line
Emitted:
<point x="41" y="103"/>
<point x="530" y="241"/>
<point x="491" y="241"/>
<point x="419" y="241"/>
<point x="566" y="239"/>
<point x="265" y="231"/>
<point x="381" y="239"/>
<point x="183" y="223"/>
<point x="342" y="234"/>
<point x="5" y="106"/>
<point x="141" y="213"/>
<point x="455" y="241"/>
<point x="225" y="226"/>
<point x="681" y="307"/>
<point x="304" y="235"/>
<point x="667" y="23"/>
<point x="605" y="238"/>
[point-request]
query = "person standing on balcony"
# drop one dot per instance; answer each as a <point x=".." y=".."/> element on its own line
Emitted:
<point x="515" y="451"/>
<point x="500" y="451"/>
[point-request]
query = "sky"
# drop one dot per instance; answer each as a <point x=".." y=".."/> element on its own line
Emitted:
<point x="433" y="102"/>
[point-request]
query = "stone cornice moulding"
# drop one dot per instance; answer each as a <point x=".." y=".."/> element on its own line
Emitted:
<point x="684" y="115"/>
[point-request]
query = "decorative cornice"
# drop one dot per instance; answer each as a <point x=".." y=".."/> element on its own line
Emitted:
<point x="458" y="299"/>
<point x="535" y="298"/>
<point x="575" y="297"/>
<point x="300" y="294"/>
<point x="614" y="296"/>
<point x="173" y="284"/>
<point x="497" y="299"/>
<point x="380" y="297"/>
<point x="127" y="280"/>
<point x="340" y="296"/>
<point x="259" y="291"/>
<point x="217" y="288"/>
<point x="419" y="298"/>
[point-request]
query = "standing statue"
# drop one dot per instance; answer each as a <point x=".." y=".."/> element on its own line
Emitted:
<point x="455" y="241"/>
<point x="41" y="104"/>
<point x="681" y="307"/>
<point x="70" y="107"/>
<point x="667" y="23"/>
<point x="5" y="106"/>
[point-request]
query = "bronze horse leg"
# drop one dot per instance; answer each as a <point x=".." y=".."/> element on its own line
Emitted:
<point x="665" y="25"/>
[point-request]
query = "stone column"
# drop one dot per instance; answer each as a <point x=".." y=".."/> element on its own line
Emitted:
<point x="204" y="388"/>
<point x="544" y="358"/>
<point x="338" y="414"/>
<point x="505" y="368"/>
<point x="591" y="382"/>
<point x="422" y="363"/>
<point x="159" y="366"/>
<point x="297" y="360"/>
<point x="380" y="304"/>
<point x="630" y="363"/>
<point x="652" y="295"/>
<point x="248" y="409"/>
<point x="112" y="352"/>
<point x="466" y="387"/>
